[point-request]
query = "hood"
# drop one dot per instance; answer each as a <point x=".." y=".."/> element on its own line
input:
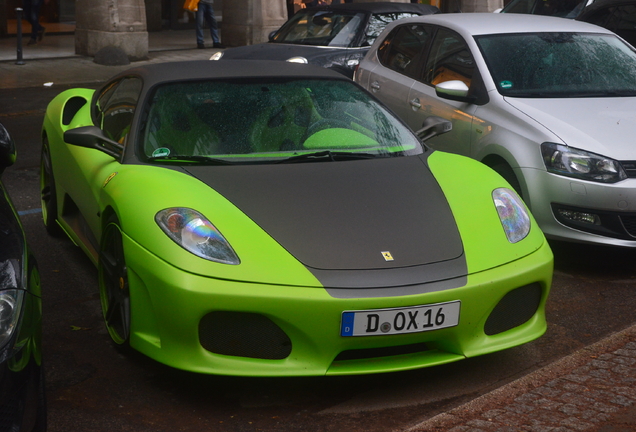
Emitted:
<point x="606" y="126"/>
<point x="356" y="215"/>
<point x="281" y="51"/>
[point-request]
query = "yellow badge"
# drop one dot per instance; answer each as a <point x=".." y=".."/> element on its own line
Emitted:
<point x="110" y="177"/>
<point x="387" y="256"/>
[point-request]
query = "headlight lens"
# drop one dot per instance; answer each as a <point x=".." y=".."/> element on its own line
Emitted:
<point x="567" y="161"/>
<point x="512" y="213"/>
<point x="302" y="60"/>
<point x="11" y="299"/>
<point x="217" y="55"/>
<point x="192" y="231"/>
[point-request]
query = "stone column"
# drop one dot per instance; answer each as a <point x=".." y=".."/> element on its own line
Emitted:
<point x="247" y="22"/>
<point x="115" y="23"/>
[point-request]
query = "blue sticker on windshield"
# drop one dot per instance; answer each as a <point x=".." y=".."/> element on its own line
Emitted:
<point x="161" y="152"/>
<point x="505" y="84"/>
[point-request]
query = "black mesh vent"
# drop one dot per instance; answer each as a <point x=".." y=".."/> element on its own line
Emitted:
<point x="243" y="335"/>
<point x="368" y="353"/>
<point x="517" y="307"/>
<point x="9" y="415"/>
<point x="629" y="222"/>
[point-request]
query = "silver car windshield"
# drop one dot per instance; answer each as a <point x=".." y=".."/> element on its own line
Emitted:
<point x="238" y="121"/>
<point x="322" y="28"/>
<point x="558" y="65"/>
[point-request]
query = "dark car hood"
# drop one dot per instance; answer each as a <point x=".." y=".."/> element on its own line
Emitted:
<point x="281" y="51"/>
<point x="345" y="215"/>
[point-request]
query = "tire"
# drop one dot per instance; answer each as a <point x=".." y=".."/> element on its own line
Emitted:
<point x="48" y="194"/>
<point x="114" y="291"/>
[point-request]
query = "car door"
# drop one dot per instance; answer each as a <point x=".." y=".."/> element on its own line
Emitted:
<point x="449" y="59"/>
<point x="113" y="114"/>
<point x="401" y="55"/>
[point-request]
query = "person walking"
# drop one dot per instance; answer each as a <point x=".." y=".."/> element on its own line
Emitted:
<point x="206" y="12"/>
<point x="32" y="15"/>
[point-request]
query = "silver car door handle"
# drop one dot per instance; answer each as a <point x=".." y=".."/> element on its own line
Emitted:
<point x="415" y="103"/>
<point x="375" y="86"/>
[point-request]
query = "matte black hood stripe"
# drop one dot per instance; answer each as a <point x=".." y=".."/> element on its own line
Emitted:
<point x="336" y="216"/>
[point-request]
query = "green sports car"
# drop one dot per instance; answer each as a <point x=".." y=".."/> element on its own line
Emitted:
<point x="269" y="219"/>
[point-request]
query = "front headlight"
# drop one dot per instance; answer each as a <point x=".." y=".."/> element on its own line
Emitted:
<point x="570" y="162"/>
<point x="217" y="55"/>
<point x="192" y="231"/>
<point x="512" y="213"/>
<point x="11" y="299"/>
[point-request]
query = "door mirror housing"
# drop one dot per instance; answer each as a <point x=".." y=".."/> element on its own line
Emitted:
<point x="93" y="137"/>
<point x="433" y="126"/>
<point x="454" y="90"/>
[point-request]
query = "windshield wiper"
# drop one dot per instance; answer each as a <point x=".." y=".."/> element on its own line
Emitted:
<point x="190" y="159"/>
<point x="328" y="155"/>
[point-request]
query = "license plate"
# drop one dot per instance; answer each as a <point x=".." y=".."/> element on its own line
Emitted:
<point x="400" y="320"/>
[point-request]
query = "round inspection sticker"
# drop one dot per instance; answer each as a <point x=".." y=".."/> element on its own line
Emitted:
<point x="161" y="152"/>
<point x="505" y="84"/>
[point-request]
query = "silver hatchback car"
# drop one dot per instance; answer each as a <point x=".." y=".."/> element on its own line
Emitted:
<point x="548" y="103"/>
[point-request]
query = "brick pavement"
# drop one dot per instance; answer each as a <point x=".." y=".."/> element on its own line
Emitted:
<point x="593" y="389"/>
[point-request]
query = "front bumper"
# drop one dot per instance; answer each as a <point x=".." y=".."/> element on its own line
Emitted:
<point x="558" y="202"/>
<point x="171" y="308"/>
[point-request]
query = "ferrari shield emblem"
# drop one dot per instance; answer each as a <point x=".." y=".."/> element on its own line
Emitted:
<point x="387" y="256"/>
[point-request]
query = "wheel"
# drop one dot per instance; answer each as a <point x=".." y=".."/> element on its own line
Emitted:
<point x="113" y="284"/>
<point x="48" y="195"/>
<point x="504" y="170"/>
<point x="324" y="123"/>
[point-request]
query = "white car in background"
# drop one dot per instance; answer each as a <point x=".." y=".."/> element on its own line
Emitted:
<point x="549" y="103"/>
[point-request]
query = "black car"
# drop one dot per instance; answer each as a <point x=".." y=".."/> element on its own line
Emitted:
<point x="22" y="399"/>
<point x="335" y="36"/>
<point x="618" y="16"/>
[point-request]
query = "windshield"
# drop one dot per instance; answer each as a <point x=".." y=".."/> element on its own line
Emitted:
<point x="236" y="121"/>
<point x="557" y="65"/>
<point x="558" y="8"/>
<point x="323" y="27"/>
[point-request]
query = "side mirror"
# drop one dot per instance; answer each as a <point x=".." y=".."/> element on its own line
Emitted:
<point x="93" y="137"/>
<point x="7" y="149"/>
<point x="454" y="90"/>
<point x="433" y="126"/>
<point x="270" y="37"/>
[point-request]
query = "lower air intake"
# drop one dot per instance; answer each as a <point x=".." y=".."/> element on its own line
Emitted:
<point x="243" y="334"/>
<point x="517" y="307"/>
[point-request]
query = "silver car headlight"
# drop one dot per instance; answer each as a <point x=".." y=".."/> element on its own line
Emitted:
<point x="11" y="299"/>
<point x="571" y="162"/>
<point x="193" y="232"/>
<point x="299" y="59"/>
<point x="217" y="55"/>
<point x="512" y="213"/>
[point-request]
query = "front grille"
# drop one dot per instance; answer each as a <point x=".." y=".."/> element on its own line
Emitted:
<point x="368" y="353"/>
<point x="9" y="414"/>
<point x="629" y="223"/>
<point x="630" y="168"/>
<point x="514" y="309"/>
<point x="243" y="334"/>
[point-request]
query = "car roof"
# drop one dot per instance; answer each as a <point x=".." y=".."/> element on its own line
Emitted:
<point x="380" y="7"/>
<point x="498" y="23"/>
<point x="207" y="69"/>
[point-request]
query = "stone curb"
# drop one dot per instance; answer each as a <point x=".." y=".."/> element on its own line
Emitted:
<point x="575" y="393"/>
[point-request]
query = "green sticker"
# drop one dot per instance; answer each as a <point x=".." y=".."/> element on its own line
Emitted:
<point x="506" y="84"/>
<point x="161" y="152"/>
